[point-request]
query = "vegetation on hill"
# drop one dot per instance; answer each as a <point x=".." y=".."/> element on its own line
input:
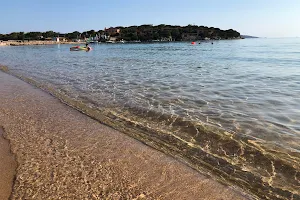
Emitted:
<point x="177" y="33"/>
<point x="142" y="33"/>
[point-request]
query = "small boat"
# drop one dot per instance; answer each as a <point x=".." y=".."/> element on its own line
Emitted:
<point x="79" y="48"/>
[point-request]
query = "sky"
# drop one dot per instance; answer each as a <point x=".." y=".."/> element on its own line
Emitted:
<point x="263" y="18"/>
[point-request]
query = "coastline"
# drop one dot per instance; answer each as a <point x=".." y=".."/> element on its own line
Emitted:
<point x="258" y="178"/>
<point x="39" y="42"/>
<point x="64" y="153"/>
<point x="35" y="42"/>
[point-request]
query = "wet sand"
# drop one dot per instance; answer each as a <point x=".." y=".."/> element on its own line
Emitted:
<point x="63" y="154"/>
<point x="7" y="167"/>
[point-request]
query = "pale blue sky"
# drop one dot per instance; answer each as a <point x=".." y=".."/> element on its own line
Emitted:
<point x="265" y="18"/>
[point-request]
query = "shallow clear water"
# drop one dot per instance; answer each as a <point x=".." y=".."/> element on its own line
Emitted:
<point x="232" y="107"/>
<point x="249" y="86"/>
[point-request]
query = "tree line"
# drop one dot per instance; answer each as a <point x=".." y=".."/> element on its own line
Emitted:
<point x="142" y="33"/>
<point x="176" y="33"/>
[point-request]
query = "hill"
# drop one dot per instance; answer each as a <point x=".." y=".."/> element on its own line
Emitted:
<point x="146" y="32"/>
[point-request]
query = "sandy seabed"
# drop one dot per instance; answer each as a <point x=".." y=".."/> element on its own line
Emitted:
<point x="63" y="154"/>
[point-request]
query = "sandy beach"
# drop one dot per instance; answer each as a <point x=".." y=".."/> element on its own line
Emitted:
<point x="63" y="154"/>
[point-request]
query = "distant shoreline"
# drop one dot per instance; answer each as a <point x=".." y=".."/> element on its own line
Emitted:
<point x="39" y="42"/>
<point x="34" y="42"/>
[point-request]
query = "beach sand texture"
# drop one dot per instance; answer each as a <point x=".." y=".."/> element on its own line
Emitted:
<point x="63" y="154"/>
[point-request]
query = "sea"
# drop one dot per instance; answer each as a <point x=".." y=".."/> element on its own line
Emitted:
<point x="229" y="109"/>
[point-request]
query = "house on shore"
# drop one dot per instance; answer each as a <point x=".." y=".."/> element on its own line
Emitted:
<point x="112" y="31"/>
<point x="110" y="34"/>
<point x="60" y="38"/>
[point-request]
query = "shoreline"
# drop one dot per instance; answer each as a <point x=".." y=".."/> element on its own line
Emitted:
<point x="63" y="152"/>
<point x="193" y="157"/>
<point x="35" y="42"/>
<point x="39" y="42"/>
<point x="259" y="159"/>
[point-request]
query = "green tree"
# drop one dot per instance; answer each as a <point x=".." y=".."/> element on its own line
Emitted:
<point x="144" y="32"/>
<point x="91" y="33"/>
<point x="49" y="34"/>
<point x="175" y="33"/>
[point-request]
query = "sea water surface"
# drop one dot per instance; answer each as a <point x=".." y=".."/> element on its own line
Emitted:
<point x="235" y="101"/>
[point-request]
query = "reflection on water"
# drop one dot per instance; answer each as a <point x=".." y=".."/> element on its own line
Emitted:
<point x="249" y="88"/>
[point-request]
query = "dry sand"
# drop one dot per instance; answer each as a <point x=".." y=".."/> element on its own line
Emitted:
<point x="63" y="154"/>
